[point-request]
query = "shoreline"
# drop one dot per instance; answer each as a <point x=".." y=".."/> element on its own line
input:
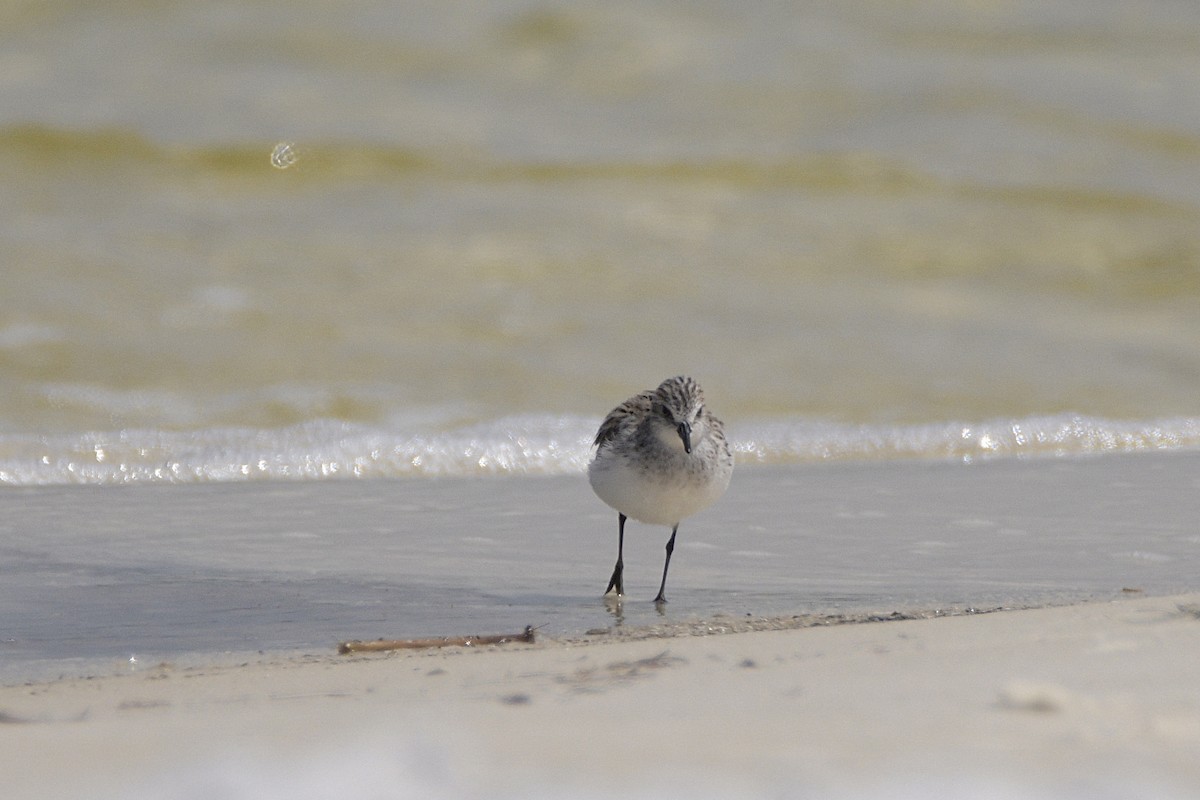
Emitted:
<point x="529" y="638"/>
<point x="70" y="670"/>
<point x="1092" y="695"/>
<point x="109" y="575"/>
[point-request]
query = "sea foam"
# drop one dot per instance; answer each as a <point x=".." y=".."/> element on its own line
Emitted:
<point x="532" y="445"/>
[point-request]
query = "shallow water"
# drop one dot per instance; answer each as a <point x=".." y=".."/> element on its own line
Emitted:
<point x="94" y="577"/>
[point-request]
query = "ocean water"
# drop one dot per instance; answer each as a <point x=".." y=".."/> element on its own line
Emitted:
<point x="296" y="242"/>
<point x="292" y="240"/>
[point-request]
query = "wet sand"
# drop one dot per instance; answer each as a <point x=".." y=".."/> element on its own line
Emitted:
<point x="96" y="576"/>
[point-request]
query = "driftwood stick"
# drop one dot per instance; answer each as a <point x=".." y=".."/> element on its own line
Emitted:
<point x="445" y="641"/>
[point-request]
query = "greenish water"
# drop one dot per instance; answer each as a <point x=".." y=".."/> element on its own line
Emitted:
<point x="845" y="214"/>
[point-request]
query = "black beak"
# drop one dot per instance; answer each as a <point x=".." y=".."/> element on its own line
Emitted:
<point x="685" y="433"/>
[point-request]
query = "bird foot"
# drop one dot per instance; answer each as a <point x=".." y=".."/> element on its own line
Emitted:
<point x="617" y="581"/>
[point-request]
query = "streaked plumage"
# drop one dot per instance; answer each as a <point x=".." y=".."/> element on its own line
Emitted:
<point x="661" y="456"/>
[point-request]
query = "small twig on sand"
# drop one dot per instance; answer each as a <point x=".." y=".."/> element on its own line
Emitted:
<point x="445" y="641"/>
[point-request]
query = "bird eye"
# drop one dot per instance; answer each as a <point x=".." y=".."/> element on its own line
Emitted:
<point x="666" y="412"/>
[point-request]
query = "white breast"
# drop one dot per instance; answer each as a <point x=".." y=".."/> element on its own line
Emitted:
<point x="655" y="499"/>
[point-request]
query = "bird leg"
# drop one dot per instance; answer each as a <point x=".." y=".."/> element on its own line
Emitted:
<point x="617" y="580"/>
<point x="670" y="549"/>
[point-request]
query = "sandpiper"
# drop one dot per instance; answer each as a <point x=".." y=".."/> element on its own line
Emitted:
<point x="661" y="456"/>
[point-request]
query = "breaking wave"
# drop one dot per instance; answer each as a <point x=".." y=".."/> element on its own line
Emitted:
<point x="532" y="445"/>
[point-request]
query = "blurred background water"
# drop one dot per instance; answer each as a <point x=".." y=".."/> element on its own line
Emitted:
<point x="868" y="228"/>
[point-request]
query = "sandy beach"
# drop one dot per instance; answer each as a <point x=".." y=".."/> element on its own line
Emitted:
<point x="1016" y="628"/>
<point x="1089" y="700"/>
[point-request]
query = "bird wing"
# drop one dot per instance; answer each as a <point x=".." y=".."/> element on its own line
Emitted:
<point x="631" y="412"/>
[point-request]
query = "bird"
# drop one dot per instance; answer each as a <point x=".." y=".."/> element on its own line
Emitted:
<point x="660" y="456"/>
